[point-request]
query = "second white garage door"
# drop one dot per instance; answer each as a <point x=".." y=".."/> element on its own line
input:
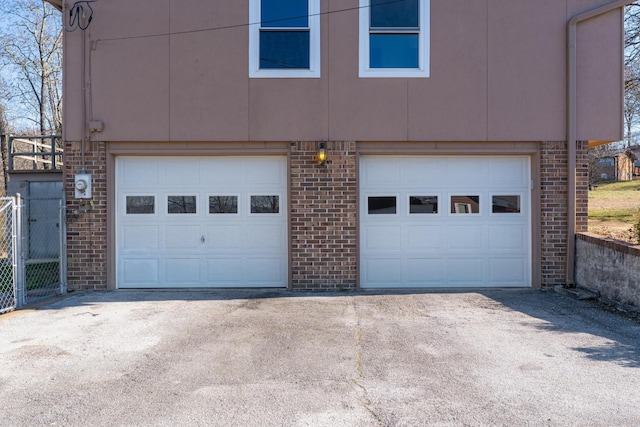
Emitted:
<point x="201" y="222"/>
<point x="445" y="221"/>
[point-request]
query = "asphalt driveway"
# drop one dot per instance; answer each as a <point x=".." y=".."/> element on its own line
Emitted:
<point x="276" y="358"/>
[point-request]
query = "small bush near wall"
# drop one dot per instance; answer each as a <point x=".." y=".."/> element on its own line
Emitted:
<point x="609" y="267"/>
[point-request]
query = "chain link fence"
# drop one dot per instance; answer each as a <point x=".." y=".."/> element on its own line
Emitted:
<point x="8" y="289"/>
<point x="42" y="244"/>
<point x="32" y="250"/>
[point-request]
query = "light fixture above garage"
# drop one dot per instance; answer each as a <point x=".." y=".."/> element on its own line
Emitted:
<point x="322" y="153"/>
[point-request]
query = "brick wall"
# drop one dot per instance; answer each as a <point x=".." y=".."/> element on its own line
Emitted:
<point x="323" y="216"/>
<point x="86" y="219"/>
<point x="582" y="187"/>
<point x="553" y="206"/>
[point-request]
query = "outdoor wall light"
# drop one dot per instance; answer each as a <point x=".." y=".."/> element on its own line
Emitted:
<point x="322" y="153"/>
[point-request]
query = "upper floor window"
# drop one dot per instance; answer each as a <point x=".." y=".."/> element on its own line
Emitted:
<point x="284" y="38"/>
<point x="394" y="38"/>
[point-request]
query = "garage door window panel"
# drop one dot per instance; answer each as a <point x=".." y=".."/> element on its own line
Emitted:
<point x="223" y="204"/>
<point x="505" y="204"/>
<point x="423" y="205"/>
<point x="382" y="205"/>
<point x="140" y="205"/>
<point x="465" y="204"/>
<point x="182" y="205"/>
<point x="265" y="204"/>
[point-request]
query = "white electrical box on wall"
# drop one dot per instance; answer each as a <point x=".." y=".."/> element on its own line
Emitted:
<point x="83" y="186"/>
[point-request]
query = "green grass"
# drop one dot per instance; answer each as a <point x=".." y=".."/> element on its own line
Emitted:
<point x="42" y="275"/>
<point x="6" y="277"/>
<point x="37" y="276"/>
<point x="617" y="215"/>
<point x="615" y="201"/>
<point x="606" y="187"/>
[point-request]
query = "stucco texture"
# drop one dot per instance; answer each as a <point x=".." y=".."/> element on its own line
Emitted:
<point x="163" y="71"/>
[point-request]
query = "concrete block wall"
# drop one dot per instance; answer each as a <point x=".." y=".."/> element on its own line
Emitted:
<point x="323" y="216"/>
<point x="609" y="267"/>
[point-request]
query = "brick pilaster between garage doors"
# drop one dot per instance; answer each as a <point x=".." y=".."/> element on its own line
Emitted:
<point x="323" y="216"/>
<point x="553" y="207"/>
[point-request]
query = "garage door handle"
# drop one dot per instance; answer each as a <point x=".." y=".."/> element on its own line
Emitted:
<point x="202" y="239"/>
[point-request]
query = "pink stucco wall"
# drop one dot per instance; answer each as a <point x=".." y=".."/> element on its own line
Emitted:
<point x="498" y="73"/>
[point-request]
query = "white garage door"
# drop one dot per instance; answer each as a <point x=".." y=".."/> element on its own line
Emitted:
<point x="445" y="221"/>
<point x="201" y="222"/>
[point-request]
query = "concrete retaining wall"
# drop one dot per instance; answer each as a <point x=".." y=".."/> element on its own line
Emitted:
<point x="609" y="267"/>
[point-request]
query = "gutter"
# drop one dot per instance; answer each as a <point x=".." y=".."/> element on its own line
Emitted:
<point x="572" y="119"/>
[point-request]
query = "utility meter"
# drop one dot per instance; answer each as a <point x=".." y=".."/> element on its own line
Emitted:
<point x="83" y="186"/>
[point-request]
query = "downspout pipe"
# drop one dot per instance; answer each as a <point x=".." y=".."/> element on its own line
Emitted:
<point x="572" y="118"/>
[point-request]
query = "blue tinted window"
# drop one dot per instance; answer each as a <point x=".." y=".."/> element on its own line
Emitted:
<point x="284" y="49"/>
<point x="393" y="51"/>
<point x="284" y="13"/>
<point x="398" y="14"/>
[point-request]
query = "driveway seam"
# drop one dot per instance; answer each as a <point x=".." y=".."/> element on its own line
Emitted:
<point x="360" y="389"/>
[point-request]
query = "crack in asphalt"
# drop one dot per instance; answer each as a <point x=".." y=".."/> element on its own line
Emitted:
<point x="360" y="389"/>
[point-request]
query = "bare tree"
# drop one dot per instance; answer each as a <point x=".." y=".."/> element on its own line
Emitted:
<point x="4" y="131"/>
<point x="4" y="125"/>
<point x="632" y="32"/>
<point x="631" y="100"/>
<point x="601" y="160"/>
<point x="31" y="47"/>
<point x="631" y="70"/>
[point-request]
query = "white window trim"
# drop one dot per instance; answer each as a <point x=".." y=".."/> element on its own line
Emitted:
<point x="254" y="45"/>
<point x="225" y="214"/>
<point x="423" y="39"/>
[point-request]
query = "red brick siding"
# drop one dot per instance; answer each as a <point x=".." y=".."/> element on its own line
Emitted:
<point x="86" y="219"/>
<point x="553" y="207"/>
<point x="323" y="216"/>
<point x="582" y="187"/>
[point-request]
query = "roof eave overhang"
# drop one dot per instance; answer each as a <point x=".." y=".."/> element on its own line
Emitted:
<point x="595" y="143"/>
<point x="55" y="3"/>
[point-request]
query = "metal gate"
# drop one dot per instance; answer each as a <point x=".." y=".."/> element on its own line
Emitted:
<point x="43" y="243"/>
<point x="32" y="248"/>
<point x="8" y="258"/>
